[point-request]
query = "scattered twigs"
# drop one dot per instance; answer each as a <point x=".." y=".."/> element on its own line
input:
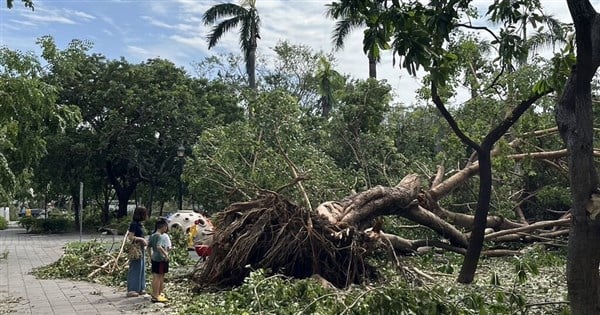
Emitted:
<point x="295" y="172"/>
<point x="315" y="301"/>
<point x="349" y="307"/>
<point x="110" y="259"/>
<point x="125" y="238"/>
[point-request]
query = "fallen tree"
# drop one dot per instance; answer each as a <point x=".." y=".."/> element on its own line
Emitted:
<point x="335" y="239"/>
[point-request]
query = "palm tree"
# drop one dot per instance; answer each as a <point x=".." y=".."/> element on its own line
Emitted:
<point x="328" y="80"/>
<point x="352" y="14"/>
<point x="228" y="16"/>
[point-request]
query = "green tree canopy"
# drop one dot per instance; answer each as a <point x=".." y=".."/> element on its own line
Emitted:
<point x="30" y="113"/>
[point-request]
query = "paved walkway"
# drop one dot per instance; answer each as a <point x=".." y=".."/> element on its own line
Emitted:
<point x="22" y="293"/>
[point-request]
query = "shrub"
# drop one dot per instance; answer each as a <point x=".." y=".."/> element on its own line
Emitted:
<point x="92" y="220"/>
<point x="53" y="225"/>
<point x="3" y="223"/>
<point x="120" y="225"/>
<point x="27" y="223"/>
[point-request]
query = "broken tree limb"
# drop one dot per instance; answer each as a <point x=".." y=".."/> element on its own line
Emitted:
<point x="439" y="176"/>
<point x="410" y="246"/>
<point x="528" y="228"/>
<point x="359" y="209"/>
<point x="425" y="217"/>
<point x="462" y="220"/>
<point x="446" y="186"/>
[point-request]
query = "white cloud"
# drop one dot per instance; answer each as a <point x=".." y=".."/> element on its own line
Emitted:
<point x="81" y="15"/>
<point x="49" y="18"/>
<point x="174" y="30"/>
<point x="44" y="15"/>
<point x="178" y="27"/>
<point x="159" y="7"/>
<point x="141" y="53"/>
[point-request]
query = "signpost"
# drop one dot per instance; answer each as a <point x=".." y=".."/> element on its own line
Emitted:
<point x="80" y="210"/>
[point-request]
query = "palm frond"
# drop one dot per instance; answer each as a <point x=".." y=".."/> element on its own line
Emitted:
<point x="220" y="29"/>
<point x="344" y="9"/>
<point x="541" y="41"/>
<point x="342" y="30"/>
<point x="249" y="33"/>
<point x="557" y="28"/>
<point x="222" y="10"/>
<point x="548" y="39"/>
<point x="245" y="37"/>
<point x="333" y="10"/>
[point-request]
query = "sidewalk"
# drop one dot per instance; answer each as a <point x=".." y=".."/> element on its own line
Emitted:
<point x="22" y="293"/>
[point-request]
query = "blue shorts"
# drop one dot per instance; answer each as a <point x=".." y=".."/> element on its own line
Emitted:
<point x="160" y="267"/>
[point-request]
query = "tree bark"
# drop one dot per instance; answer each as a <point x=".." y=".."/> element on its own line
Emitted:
<point x="372" y="67"/>
<point x="124" y="188"/>
<point x="251" y="68"/>
<point x="469" y="266"/>
<point x="574" y="118"/>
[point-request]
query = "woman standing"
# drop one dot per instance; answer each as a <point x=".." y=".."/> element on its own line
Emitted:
<point x="136" y="277"/>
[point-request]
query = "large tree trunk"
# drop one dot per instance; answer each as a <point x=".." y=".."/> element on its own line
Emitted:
<point x="372" y="67"/>
<point x="469" y="266"/>
<point x="251" y="66"/>
<point x="124" y="188"/>
<point x="106" y="192"/>
<point x="484" y="153"/>
<point x="574" y="117"/>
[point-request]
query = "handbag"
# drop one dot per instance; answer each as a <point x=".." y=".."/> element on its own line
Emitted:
<point x="134" y="251"/>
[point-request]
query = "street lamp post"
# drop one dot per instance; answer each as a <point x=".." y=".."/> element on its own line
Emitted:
<point x="180" y="156"/>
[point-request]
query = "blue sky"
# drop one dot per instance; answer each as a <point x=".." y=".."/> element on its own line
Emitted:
<point x="172" y="29"/>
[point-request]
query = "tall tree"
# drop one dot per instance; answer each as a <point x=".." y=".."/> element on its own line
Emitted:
<point x="421" y="33"/>
<point x="294" y="67"/>
<point x="369" y="14"/>
<point x="328" y="81"/>
<point x="575" y="122"/>
<point x="245" y="14"/>
<point x="29" y="113"/>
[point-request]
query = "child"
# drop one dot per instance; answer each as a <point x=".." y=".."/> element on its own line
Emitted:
<point x="159" y="244"/>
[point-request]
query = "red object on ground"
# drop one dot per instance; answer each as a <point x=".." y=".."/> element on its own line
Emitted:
<point x="203" y="250"/>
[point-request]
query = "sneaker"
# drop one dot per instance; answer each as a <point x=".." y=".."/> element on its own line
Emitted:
<point x="160" y="299"/>
<point x="132" y="294"/>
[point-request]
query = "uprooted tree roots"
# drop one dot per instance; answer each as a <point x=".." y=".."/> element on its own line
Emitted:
<point x="273" y="233"/>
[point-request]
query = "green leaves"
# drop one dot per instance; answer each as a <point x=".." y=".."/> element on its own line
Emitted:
<point x="28" y="115"/>
<point x="26" y="3"/>
<point x="523" y="267"/>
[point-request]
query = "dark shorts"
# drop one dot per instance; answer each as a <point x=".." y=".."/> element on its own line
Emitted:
<point x="160" y="267"/>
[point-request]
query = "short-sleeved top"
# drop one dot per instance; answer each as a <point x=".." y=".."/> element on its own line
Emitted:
<point x="168" y="243"/>
<point x="158" y="240"/>
<point x="137" y="228"/>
